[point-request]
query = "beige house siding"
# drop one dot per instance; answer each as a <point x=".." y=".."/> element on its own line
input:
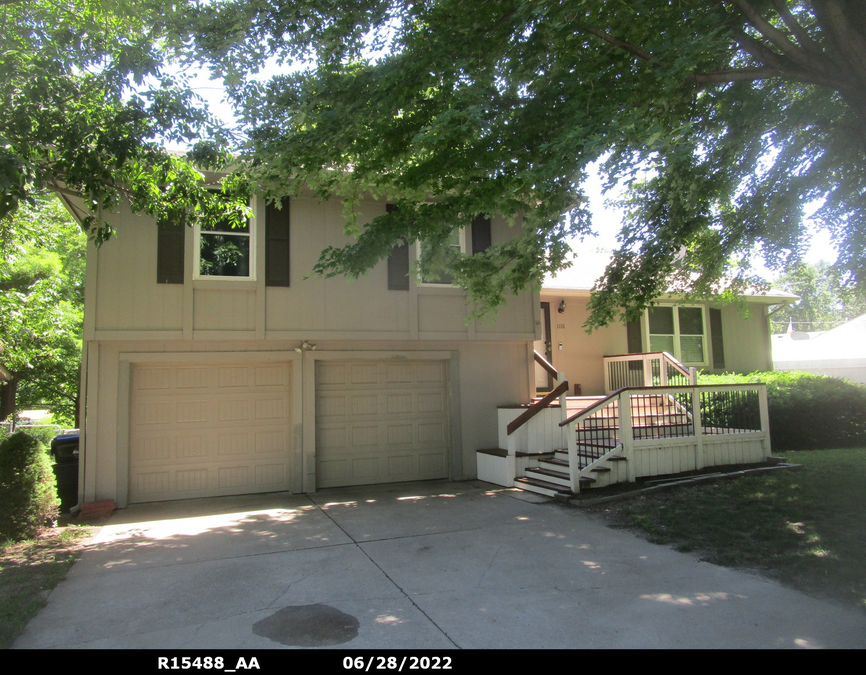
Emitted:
<point x="127" y="303"/>
<point x="578" y="354"/>
<point x="747" y="339"/>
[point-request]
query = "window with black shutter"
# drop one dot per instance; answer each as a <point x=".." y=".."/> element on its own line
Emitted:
<point x="716" y="338"/>
<point x="277" y="246"/>
<point x="398" y="263"/>
<point x="481" y="235"/>
<point x="169" y="253"/>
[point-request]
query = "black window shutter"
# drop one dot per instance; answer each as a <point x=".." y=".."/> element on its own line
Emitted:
<point x="716" y="337"/>
<point x="481" y="236"/>
<point x="277" y="244"/>
<point x="169" y="253"/>
<point x="633" y="336"/>
<point x="398" y="264"/>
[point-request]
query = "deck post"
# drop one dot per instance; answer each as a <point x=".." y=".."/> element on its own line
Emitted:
<point x="698" y="425"/>
<point x="765" y="419"/>
<point x="511" y="460"/>
<point x="573" y="466"/>
<point x="626" y="435"/>
<point x="563" y="404"/>
<point x="647" y="372"/>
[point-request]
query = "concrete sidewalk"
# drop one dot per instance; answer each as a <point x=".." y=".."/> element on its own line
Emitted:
<point x="422" y="566"/>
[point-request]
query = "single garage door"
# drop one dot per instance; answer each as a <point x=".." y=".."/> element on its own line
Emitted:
<point x="202" y="430"/>
<point x="380" y="422"/>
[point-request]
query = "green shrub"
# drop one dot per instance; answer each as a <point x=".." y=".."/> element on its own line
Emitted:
<point x="28" y="489"/>
<point x="808" y="412"/>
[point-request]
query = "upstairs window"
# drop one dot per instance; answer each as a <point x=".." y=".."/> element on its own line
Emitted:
<point x="225" y="252"/>
<point x="475" y="239"/>
<point x="457" y="243"/>
<point x="680" y="331"/>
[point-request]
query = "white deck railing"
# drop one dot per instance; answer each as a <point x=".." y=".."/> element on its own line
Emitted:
<point x="652" y="369"/>
<point x="655" y="419"/>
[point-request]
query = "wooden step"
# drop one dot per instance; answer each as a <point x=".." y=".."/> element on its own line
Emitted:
<point x="541" y="487"/>
<point x="547" y="489"/>
<point x="561" y="478"/>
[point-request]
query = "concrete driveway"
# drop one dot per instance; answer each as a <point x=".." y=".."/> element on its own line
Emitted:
<point x="423" y="566"/>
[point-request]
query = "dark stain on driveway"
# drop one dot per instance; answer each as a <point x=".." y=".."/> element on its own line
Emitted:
<point x="308" y="626"/>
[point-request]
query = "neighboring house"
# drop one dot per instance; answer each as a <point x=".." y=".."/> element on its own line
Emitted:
<point x="213" y="366"/>
<point x="840" y="352"/>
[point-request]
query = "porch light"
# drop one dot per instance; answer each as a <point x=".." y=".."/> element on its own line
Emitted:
<point x="561" y="309"/>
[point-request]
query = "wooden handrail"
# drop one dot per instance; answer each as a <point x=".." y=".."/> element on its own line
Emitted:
<point x="636" y="355"/>
<point x="544" y="363"/>
<point x="536" y="408"/>
<point x="676" y="364"/>
<point x="598" y="404"/>
<point x="746" y="386"/>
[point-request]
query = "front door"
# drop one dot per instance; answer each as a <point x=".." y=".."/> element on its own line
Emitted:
<point x="543" y="381"/>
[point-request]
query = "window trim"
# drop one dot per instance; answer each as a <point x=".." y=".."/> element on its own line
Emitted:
<point x="439" y="284"/>
<point x="677" y="354"/>
<point x="252" y="235"/>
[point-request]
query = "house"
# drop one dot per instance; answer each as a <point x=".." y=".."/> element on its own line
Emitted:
<point x="840" y="352"/>
<point x="213" y="366"/>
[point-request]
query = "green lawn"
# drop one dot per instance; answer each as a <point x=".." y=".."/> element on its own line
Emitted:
<point x="806" y="528"/>
<point x="28" y="572"/>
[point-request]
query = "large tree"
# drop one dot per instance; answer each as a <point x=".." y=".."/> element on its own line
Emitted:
<point x="725" y="117"/>
<point x="91" y="91"/>
<point x="41" y="310"/>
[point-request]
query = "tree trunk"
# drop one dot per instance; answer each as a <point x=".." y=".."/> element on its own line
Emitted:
<point x="8" y="390"/>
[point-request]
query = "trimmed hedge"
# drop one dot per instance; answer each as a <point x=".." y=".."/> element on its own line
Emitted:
<point x="808" y="412"/>
<point x="28" y="489"/>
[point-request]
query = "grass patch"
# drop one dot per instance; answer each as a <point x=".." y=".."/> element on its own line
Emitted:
<point x="29" y="570"/>
<point x="805" y="528"/>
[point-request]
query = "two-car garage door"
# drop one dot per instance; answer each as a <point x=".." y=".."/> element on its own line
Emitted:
<point x="199" y="430"/>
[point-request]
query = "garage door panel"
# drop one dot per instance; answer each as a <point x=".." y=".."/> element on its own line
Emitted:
<point x="365" y="404"/>
<point x="379" y="422"/>
<point x="194" y="378"/>
<point x="398" y="373"/>
<point x="231" y="439"/>
<point x="432" y="465"/>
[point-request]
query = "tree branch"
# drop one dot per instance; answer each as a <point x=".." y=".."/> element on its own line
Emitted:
<point x="762" y="53"/>
<point x="758" y="50"/>
<point x="796" y="29"/>
<point x="849" y="45"/>
<point x="735" y="75"/>
<point x="616" y="42"/>
<point x="772" y="34"/>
